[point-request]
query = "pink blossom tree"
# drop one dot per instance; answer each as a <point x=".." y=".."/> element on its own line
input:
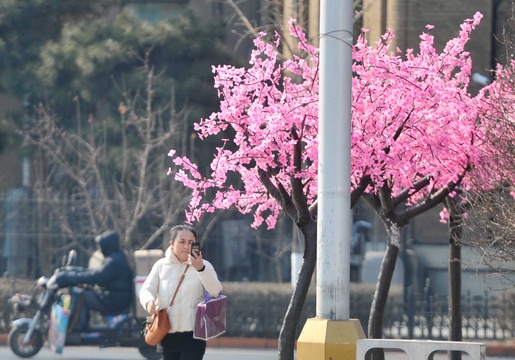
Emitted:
<point x="415" y="137"/>
<point x="417" y="125"/>
<point x="274" y="153"/>
<point x="485" y="212"/>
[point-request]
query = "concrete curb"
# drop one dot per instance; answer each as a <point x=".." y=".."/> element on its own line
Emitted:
<point x="501" y="348"/>
<point x="494" y="348"/>
<point x="232" y="342"/>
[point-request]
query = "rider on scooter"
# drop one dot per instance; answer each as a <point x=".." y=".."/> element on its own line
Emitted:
<point x="113" y="286"/>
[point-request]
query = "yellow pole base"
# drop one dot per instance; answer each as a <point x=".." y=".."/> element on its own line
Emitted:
<point x="323" y="339"/>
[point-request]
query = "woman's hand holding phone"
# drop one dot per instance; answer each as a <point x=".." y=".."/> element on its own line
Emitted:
<point x="196" y="256"/>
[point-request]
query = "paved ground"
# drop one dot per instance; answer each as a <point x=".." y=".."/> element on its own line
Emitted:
<point x="226" y="348"/>
<point x="95" y="353"/>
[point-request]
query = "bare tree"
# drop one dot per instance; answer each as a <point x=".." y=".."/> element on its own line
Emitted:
<point x="108" y="175"/>
<point x="490" y="225"/>
<point x="490" y="232"/>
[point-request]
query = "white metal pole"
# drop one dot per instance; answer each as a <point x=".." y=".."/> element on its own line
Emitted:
<point x="334" y="216"/>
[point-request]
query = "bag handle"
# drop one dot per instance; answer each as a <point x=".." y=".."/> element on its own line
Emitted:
<point x="207" y="297"/>
<point x="178" y="286"/>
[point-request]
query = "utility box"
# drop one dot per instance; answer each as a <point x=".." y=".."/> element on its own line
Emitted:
<point x="143" y="260"/>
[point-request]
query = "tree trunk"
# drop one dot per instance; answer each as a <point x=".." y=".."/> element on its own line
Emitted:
<point x="455" y="235"/>
<point x="287" y="334"/>
<point x="375" y="321"/>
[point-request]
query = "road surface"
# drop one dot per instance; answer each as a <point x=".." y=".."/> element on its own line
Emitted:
<point x="114" y="353"/>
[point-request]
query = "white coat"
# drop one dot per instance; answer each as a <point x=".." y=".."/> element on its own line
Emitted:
<point x="162" y="281"/>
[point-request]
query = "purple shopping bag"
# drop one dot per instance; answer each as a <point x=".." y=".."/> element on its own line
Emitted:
<point x="210" y="319"/>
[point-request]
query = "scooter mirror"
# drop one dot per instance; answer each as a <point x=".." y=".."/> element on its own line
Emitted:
<point x="72" y="255"/>
<point x="42" y="281"/>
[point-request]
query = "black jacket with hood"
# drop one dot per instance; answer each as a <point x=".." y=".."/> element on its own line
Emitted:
<point x="113" y="281"/>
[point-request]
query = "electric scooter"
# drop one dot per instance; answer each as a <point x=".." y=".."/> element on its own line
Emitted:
<point x="28" y="335"/>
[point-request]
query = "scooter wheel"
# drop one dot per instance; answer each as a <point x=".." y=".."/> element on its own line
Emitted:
<point x="15" y="341"/>
<point x="149" y="352"/>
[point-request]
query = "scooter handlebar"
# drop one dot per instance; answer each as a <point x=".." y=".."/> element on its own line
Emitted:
<point x="51" y="283"/>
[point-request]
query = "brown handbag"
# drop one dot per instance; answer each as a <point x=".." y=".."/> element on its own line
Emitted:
<point x="158" y="325"/>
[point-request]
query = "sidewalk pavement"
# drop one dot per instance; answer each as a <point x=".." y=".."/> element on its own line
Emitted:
<point x="493" y="348"/>
<point x="219" y="342"/>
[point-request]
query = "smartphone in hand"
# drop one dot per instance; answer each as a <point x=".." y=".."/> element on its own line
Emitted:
<point x="195" y="248"/>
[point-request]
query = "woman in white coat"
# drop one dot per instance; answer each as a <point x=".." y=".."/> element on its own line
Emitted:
<point x="159" y="287"/>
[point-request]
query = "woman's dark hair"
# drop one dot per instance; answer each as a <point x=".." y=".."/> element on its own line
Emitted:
<point x="175" y="230"/>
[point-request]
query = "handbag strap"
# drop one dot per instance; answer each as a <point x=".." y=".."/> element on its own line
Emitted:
<point x="179" y="285"/>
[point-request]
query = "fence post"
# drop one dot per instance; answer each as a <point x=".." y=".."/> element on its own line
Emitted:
<point x="485" y="314"/>
<point x="411" y="311"/>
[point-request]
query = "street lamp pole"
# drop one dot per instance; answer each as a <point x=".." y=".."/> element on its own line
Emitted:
<point x="332" y="334"/>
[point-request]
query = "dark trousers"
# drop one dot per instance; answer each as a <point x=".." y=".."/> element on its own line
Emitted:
<point x="182" y="346"/>
<point x="83" y="301"/>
